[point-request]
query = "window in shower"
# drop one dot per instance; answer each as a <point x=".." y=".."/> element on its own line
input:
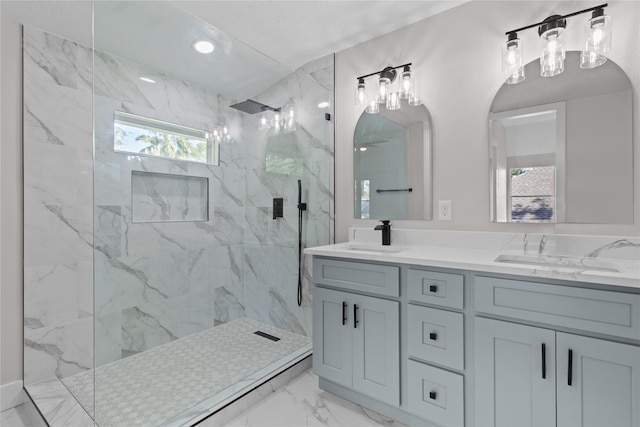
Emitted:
<point x="151" y="137"/>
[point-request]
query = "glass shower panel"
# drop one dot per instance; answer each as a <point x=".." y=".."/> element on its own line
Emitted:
<point x="178" y="298"/>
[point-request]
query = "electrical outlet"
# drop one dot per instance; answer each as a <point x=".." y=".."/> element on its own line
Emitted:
<point x="444" y="210"/>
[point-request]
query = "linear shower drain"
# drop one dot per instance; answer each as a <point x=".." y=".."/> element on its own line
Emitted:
<point x="267" y="336"/>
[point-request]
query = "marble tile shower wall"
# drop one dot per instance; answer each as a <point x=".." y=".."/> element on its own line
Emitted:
<point x="156" y="282"/>
<point x="58" y="227"/>
<point x="270" y="267"/>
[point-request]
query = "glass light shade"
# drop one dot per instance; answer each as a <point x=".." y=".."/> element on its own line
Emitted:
<point x="373" y="107"/>
<point x="553" y="54"/>
<point x="393" y="101"/>
<point x="516" y="77"/>
<point x="598" y="41"/>
<point x="383" y="89"/>
<point x="512" y="61"/>
<point x="406" y="83"/>
<point x="361" y="98"/>
<point x="414" y="100"/>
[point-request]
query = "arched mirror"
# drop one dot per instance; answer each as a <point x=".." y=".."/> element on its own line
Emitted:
<point x="561" y="148"/>
<point x="392" y="164"/>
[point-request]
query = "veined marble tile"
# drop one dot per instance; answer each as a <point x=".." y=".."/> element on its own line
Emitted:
<point x="49" y="58"/>
<point x="112" y="80"/>
<point x="25" y="415"/>
<point x="270" y="289"/>
<point x="108" y="338"/>
<point x="55" y="234"/>
<point x="63" y="350"/>
<point x="58" y="115"/>
<point x="302" y="403"/>
<point x="49" y="291"/>
<point x="165" y="198"/>
<point x="57" y="405"/>
<point x="50" y="174"/>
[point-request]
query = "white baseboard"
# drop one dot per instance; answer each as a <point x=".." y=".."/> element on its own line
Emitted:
<point x="12" y="395"/>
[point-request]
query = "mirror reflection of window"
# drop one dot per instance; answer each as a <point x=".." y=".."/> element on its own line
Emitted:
<point x="533" y="197"/>
<point x="530" y="148"/>
<point x="594" y="167"/>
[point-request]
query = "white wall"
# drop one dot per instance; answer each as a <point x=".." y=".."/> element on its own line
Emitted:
<point x="11" y="208"/>
<point x="456" y="56"/>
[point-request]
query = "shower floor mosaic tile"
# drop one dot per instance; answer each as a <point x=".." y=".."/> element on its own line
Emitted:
<point x="152" y="387"/>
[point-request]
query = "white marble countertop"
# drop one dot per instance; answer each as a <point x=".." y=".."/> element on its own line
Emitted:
<point x="573" y="258"/>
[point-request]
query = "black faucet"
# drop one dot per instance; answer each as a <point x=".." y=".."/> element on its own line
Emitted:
<point x="386" y="231"/>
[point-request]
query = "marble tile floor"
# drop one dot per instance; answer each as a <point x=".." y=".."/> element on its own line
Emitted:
<point x="301" y="403"/>
<point x="25" y="415"/>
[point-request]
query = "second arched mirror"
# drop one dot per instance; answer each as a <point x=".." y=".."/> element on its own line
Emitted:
<point x="392" y="164"/>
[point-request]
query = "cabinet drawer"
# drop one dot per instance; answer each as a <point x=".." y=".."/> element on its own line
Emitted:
<point x="611" y="313"/>
<point x="372" y="278"/>
<point x="444" y="289"/>
<point x="435" y="394"/>
<point x="436" y="336"/>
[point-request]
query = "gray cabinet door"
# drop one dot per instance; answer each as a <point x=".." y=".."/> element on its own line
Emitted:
<point x="510" y="388"/>
<point x="605" y="382"/>
<point x="332" y="346"/>
<point x="376" y="348"/>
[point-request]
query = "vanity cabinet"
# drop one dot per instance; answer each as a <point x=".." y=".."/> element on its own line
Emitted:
<point x="356" y="337"/>
<point x="533" y="375"/>
<point x="438" y="346"/>
<point x="529" y="376"/>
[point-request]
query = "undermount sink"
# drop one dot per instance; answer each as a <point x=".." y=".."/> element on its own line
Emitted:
<point x="374" y="249"/>
<point x="560" y="262"/>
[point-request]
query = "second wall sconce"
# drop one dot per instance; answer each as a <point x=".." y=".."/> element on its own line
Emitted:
<point x="390" y="89"/>
<point x="551" y="32"/>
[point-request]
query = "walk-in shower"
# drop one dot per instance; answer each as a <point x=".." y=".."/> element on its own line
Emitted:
<point x="158" y="285"/>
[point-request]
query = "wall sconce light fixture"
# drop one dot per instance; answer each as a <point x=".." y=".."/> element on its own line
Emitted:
<point x="391" y="90"/>
<point x="551" y="33"/>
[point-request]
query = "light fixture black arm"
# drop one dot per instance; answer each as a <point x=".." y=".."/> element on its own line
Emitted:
<point x="378" y="72"/>
<point x="301" y="208"/>
<point x="602" y="6"/>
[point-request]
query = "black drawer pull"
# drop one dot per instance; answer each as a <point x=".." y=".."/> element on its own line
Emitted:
<point x="433" y="336"/>
<point x="433" y="288"/>
<point x="544" y="361"/>
<point x="570" y="373"/>
<point x="433" y="395"/>
<point x="344" y="313"/>
<point x="355" y="316"/>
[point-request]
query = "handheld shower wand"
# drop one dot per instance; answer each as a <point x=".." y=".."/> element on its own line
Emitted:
<point x="301" y="207"/>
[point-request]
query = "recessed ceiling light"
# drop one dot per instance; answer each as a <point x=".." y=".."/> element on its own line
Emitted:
<point x="147" y="79"/>
<point x="323" y="104"/>
<point x="203" y="46"/>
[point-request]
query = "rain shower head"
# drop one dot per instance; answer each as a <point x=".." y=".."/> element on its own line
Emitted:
<point x="252" y="107"/>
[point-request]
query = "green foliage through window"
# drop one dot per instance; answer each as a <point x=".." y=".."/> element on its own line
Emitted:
<point x="143" y="135"/>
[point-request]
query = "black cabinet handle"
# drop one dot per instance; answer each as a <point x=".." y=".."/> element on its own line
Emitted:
<point x="433" y="288"/>
<point x="570" y="374"/>
<point x="433" y="395"/>
<point x="433" y="336"/>
<point x="355" y="316"/>
<point x="344" y="313"/>
<point x="544" y="361"/>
